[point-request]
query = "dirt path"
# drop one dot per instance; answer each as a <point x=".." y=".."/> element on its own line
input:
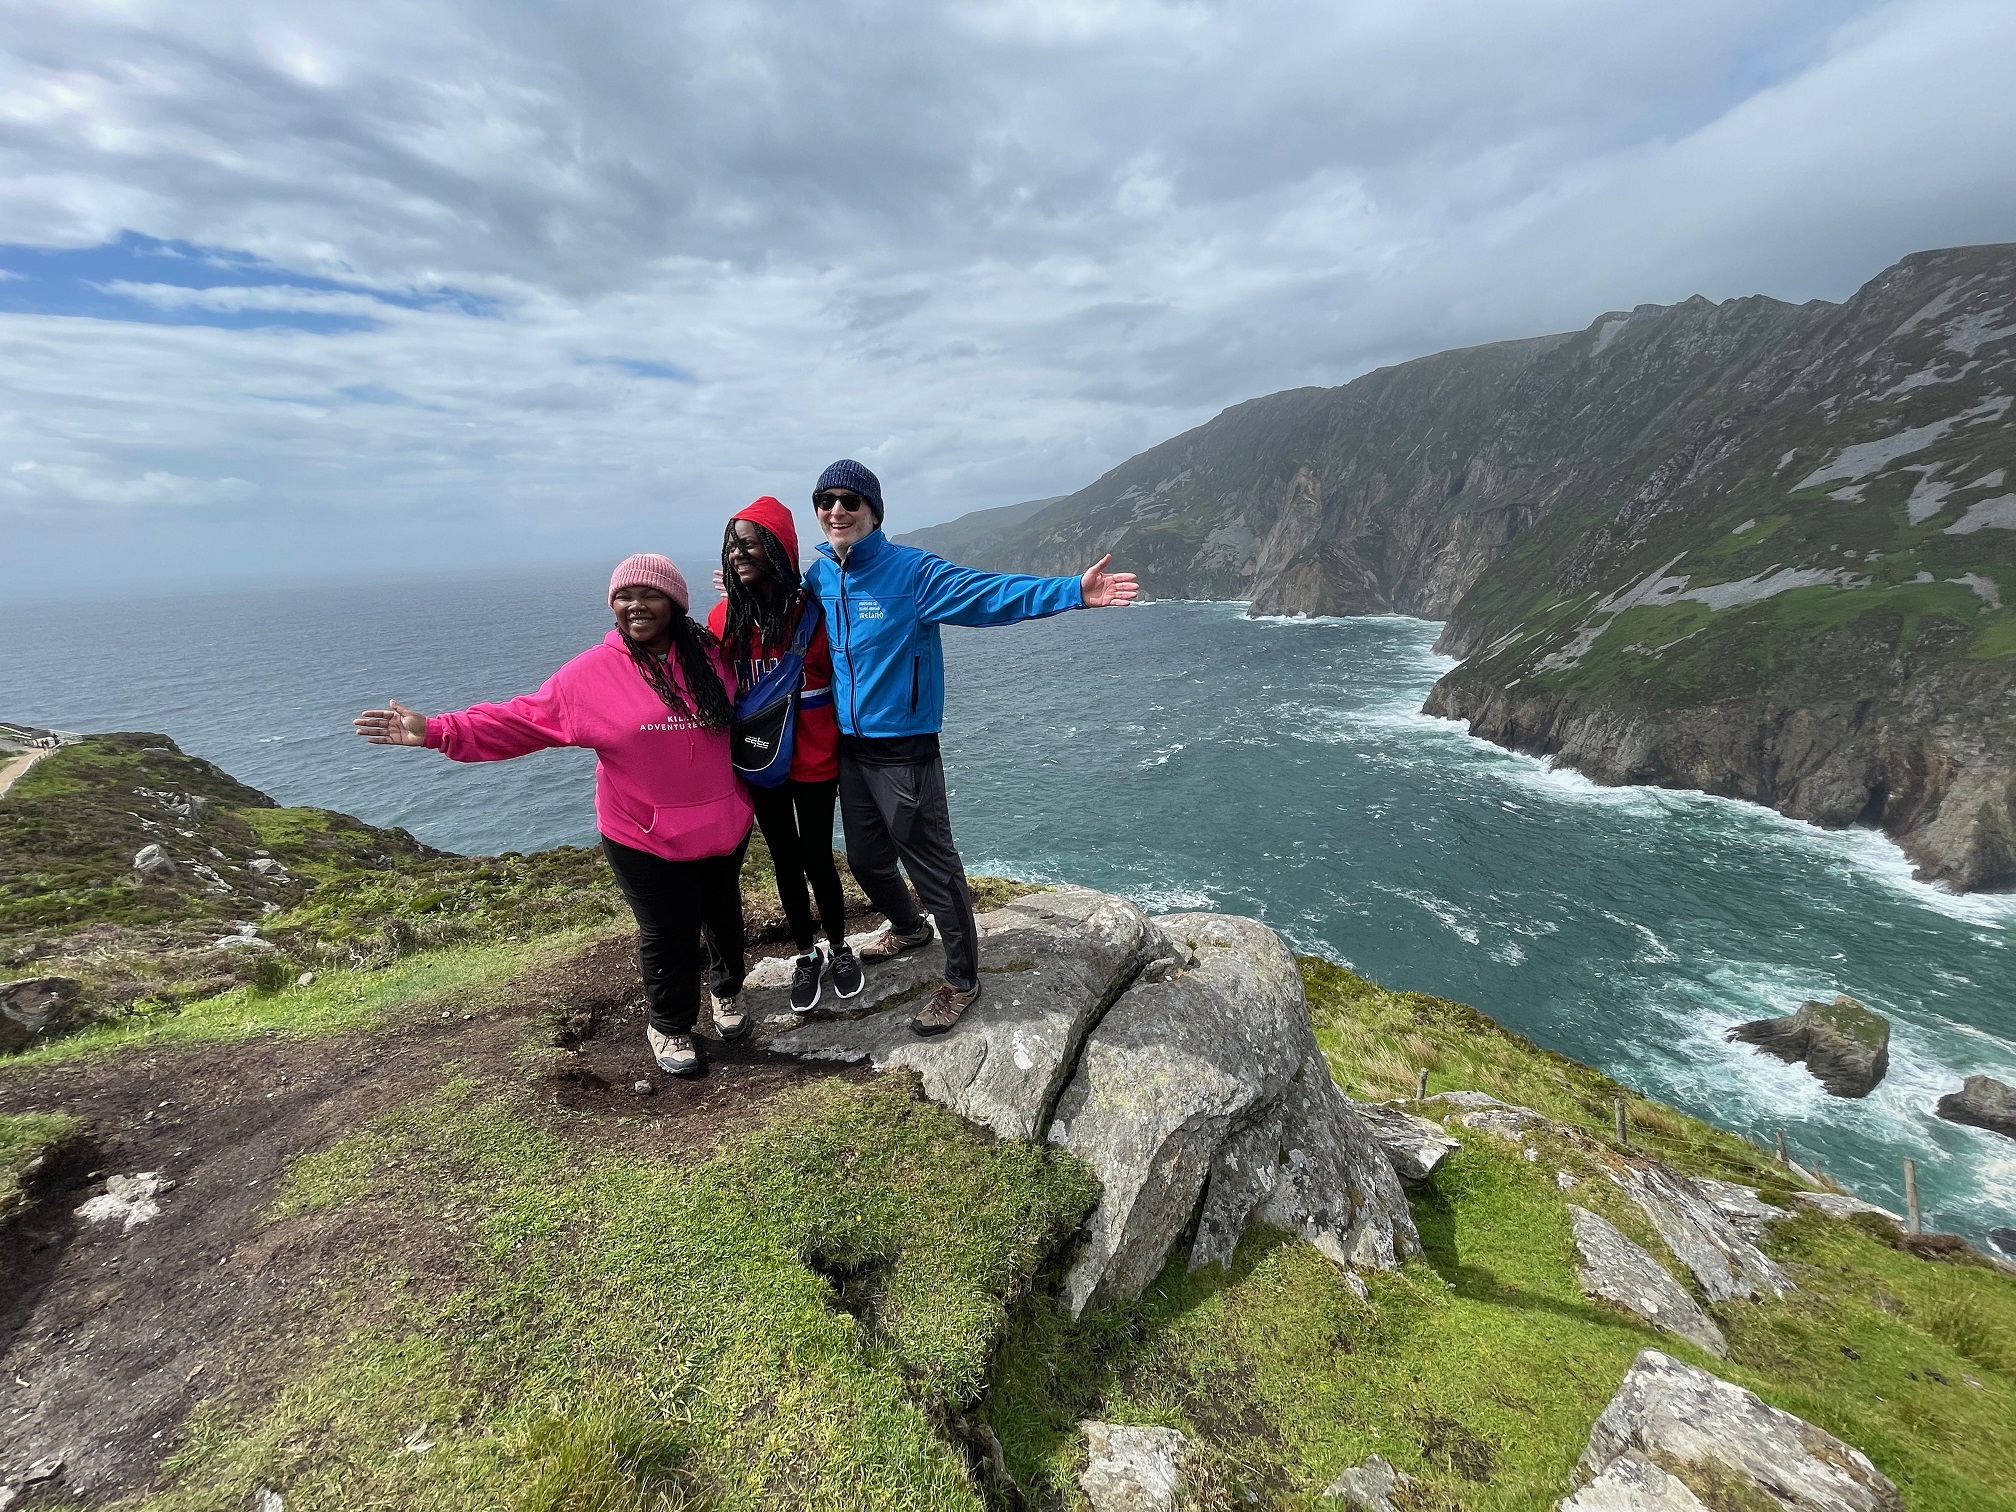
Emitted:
<point x="109" y="1338"/>
<point x="18" y="768"/>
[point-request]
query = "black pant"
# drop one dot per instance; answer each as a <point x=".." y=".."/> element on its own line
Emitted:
<point x="677" y="903"/>
<point x="898" y="813"/>
<point x="797" y="820"/>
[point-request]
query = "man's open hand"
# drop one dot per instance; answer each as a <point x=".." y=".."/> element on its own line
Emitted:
<point x="1107" y="590"/>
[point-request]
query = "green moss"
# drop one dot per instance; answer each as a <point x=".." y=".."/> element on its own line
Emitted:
<point x="1996" y="640"/>
<point x="24" y="1137"/>
<point x="781" y="1324"/>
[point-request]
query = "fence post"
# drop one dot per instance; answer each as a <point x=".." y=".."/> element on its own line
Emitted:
<point x="1783" y="1158"/>
<point x="1913" y="1222"/>
<point x="1623" y="1125"/>
<point x="1421" y="1082"/>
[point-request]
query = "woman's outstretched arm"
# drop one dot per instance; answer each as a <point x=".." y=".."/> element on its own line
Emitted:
<point x="486" y="732"/>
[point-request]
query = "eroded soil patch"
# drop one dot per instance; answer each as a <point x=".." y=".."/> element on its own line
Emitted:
<point x="109" y="1336"/>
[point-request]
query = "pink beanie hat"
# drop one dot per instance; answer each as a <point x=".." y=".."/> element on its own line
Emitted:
<point x="647" y="569"/>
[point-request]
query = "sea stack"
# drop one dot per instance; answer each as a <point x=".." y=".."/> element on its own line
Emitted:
<point x="1843" y="1043"/>
<point x="1983" y="1102"/>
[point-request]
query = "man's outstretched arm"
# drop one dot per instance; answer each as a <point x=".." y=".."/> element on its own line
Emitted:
<point x="952" y="595"/>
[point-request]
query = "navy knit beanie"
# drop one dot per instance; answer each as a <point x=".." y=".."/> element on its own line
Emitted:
<point x="847" y="473"/>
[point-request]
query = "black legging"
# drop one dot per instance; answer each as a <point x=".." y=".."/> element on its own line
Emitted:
<point x="797" y="820"/>
<point x="682" y="906"/>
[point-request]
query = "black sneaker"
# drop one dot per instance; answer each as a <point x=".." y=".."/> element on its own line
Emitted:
<point x="805" y="981"/>
<point x="847" y="978"/>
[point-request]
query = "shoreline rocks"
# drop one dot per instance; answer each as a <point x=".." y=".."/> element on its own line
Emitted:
<point x="1982" y="1103"/>
<point x="1844" y="1044"/>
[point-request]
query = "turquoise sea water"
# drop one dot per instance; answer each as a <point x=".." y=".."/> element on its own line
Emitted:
<point x="1190" y="757"/>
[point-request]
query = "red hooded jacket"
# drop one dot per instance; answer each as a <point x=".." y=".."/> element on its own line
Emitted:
<point x="815" y="752"/>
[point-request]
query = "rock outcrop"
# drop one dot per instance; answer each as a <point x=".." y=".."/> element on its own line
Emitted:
<point x="1413" y="1144"/>
<point x="1671" y="1422"/>
<point x="34" y="1006"/>
<point x="1618" y="1271"/>
<point x="1843" y="1043"/>
<point x="1983" y="1102"/>
<point x="1132" y="1469"/>
<point x="1051" y="964"/>
<point x="1174" y="1056"/>
<point x="1724" y="1264"/>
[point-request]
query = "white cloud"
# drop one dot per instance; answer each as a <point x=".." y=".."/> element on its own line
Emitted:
<point x="991" y="249"/>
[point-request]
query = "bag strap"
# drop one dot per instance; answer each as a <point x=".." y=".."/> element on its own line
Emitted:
<point x="810" y="617"/>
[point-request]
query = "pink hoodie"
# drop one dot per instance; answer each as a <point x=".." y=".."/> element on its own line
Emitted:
<point x="663" y="784"/>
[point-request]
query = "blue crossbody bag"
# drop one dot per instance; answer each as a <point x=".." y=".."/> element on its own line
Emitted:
<point x="766" y="716"/>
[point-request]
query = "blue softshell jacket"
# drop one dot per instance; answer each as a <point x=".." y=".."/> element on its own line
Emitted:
<point x="883" y="610"/>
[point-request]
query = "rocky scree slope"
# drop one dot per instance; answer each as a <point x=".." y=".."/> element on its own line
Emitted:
<point x="1760" y="549"/>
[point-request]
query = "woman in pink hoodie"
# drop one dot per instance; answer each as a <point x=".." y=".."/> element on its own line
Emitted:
<point x="651" y="701"/>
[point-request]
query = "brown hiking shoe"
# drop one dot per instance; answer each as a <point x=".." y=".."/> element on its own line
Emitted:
<point x="888" y="945"/>
<point x="944" y="1009"/>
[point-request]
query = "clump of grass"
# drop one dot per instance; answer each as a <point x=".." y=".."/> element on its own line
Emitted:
<point x="640" y="1334"/>
<point x="26" y="1138"/>
<point x="333" y="1003"/>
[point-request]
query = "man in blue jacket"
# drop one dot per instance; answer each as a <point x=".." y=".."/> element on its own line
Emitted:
<point x="884" y="604"/>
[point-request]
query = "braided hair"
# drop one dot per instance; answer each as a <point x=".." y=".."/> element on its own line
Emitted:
<point x="754" y="622"/>
<point x="694" y="647"/>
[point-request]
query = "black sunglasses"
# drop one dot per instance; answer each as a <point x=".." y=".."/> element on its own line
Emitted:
<point x="839" y="499"/>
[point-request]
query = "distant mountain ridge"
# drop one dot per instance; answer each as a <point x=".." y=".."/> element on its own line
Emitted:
<point x="1761" y="549"/>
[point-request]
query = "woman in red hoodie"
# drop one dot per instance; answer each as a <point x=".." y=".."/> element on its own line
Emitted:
<point x="755" y="622"/>
<point x="651" y="704"/>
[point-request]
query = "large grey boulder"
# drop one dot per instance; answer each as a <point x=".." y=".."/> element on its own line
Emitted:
<point x="1415" y="1145"/>
<point x="1983" y="1103"/>
<point x="1132" y="1469"/>
<point x="1205" y="1079"/>
<point x="1050" y="963"/>
<point x="1843" y="1043"/>
<point x="1618" y="1271"/>
<point x="1704" y="1431"/>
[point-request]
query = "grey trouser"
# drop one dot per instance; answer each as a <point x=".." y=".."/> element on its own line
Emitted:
<point x="898" y="813"/>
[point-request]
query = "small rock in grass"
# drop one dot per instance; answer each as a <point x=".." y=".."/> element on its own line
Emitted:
<point x="153" y="863"/>
<point x="129" y="1199"/>
<point x="306" y="979"/>
<point x="1369" y="1485"/>
<point x="266" y="1499"/>
<point x="643" y="1088"/>
<point x="1358" y="1287"/>
<point x="1565" y="1180"/>
<point x="1131" y="1469"/>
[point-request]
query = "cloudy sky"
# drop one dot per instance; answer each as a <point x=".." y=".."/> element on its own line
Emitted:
<point x="313" y="288"/>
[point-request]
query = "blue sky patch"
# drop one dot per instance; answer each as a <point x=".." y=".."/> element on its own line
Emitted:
<point x="639" y="368"/>
<point x="108" y="282"/>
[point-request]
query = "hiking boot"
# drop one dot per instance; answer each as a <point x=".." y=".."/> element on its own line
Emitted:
<point x="888" y="945"/>
<point x="847" y="978"/>
<point x="805" y="980"/>
<point x="943" y="1011"/>
<point x="731" y="1020"/>
<point x="676" y="1054"/>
